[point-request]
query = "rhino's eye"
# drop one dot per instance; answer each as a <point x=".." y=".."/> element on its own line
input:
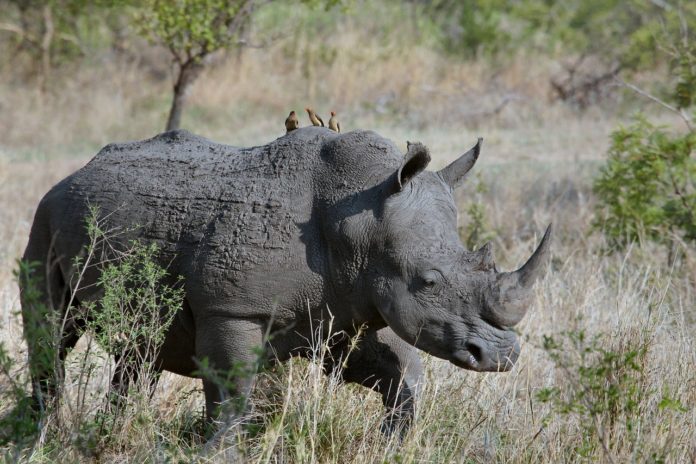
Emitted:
<point x="431" y="278"/>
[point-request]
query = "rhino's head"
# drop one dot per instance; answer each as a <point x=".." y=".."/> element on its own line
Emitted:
<point x="435" y="294"/>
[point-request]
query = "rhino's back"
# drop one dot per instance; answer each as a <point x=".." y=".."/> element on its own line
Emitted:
<point x="202" y="202"/>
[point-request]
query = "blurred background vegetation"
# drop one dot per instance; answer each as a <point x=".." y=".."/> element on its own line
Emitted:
<point x="581" y="48"/>
<point x="75" y="75"/>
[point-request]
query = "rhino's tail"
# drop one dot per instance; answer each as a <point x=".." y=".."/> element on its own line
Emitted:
<point x="44" y="297"/>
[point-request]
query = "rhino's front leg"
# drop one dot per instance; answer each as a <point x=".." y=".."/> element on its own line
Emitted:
<point x="385" y="363"/>
<point x="227" y="351"/>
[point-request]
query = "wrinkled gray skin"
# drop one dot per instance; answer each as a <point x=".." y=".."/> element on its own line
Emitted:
<point x="267" y="238"/>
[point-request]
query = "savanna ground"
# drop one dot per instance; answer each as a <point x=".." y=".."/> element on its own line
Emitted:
<point x="607" y="372"/>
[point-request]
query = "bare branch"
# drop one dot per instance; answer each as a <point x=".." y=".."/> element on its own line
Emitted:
<point x="12" y="28"/>
<point x="24" y="36"/>
<point x="265" y="44"/>
<point x="682" y="114"/>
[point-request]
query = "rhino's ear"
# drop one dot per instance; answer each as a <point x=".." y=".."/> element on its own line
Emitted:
<point x="415" y="161"/>
<point x="454" y="174"/>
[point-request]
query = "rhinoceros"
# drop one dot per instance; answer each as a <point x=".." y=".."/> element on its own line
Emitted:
<point x="276" y="239"/>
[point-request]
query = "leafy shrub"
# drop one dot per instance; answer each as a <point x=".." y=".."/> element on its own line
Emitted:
<point x="647" y="189"/>
<point x="129" y="321"/>
<point x="137" y="306"/>
<point x="138" y="303"/>
<point x="603" y="383"/>
<point x="683" y="65"/>
<point x="17" y="426"/>
<point x="473" y="28"/>
<point x="615" y="30"/>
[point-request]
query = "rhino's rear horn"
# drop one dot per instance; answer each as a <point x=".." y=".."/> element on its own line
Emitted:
<point x="514" y="287"/>
<point x="484" y="256"/>
<point x="453" y="174"/>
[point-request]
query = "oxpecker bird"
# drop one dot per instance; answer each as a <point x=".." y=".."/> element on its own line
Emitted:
<point x="316" y="120"/>
<point x="292" y="123"/>
<point x="334" y="125"/>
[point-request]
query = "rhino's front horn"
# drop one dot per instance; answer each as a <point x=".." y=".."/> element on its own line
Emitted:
<point x="514" y="288"/>
<point x="454" y="173"/>
<point x="532" y="269"/>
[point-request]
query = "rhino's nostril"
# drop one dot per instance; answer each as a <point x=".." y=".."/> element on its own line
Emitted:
<point x="475" y="351"/>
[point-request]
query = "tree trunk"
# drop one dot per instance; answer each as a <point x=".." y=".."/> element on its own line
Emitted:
<point x="188" y="72"/>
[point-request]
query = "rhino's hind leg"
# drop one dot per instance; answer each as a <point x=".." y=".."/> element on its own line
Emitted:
<point x="50" y="330"/>
<point x="129" y="367"/>
<point x="391" y="367"/>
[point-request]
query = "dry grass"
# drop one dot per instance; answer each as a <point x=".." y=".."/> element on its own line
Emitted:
<point x="537" y="162"/>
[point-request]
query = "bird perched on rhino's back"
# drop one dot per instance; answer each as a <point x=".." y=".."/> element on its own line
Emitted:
<point x="334" y="125"/>
<point x="314" y="118"/>
<point x="291" y="122"/>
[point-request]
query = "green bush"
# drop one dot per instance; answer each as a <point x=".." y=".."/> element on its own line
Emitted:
<point x="49" y="34"/>
<point x="626" y="32"/>
<point x="19" y="425"/>
<point x="647" y="189"/>
<point x="603" y="383"/>
<point x="138" y="303"/>
<point x="137" y="306"/>
<point x="683" y="65"/>
<point x="475" y="27"/>
<point x="130" y="320"/>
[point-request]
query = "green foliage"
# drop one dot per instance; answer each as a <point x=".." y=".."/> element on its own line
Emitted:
<point x="193" y="28"/>
<point x="616" y="29"/>
<point x="138" y="305"/>
<point x="647" y="189"/>
<point x="604" y="386"/>
<point x="326" y="4"/>
<point x="476" y="28"/>
<point x="41" y="322"/>
<point x="129" y="321"/>
<point x="54" y="32"/>
<point x="18" y="426"/>
<point x="684" y="67"/>
<point x="477" y="229"/>
<point x="626" y="33"/>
